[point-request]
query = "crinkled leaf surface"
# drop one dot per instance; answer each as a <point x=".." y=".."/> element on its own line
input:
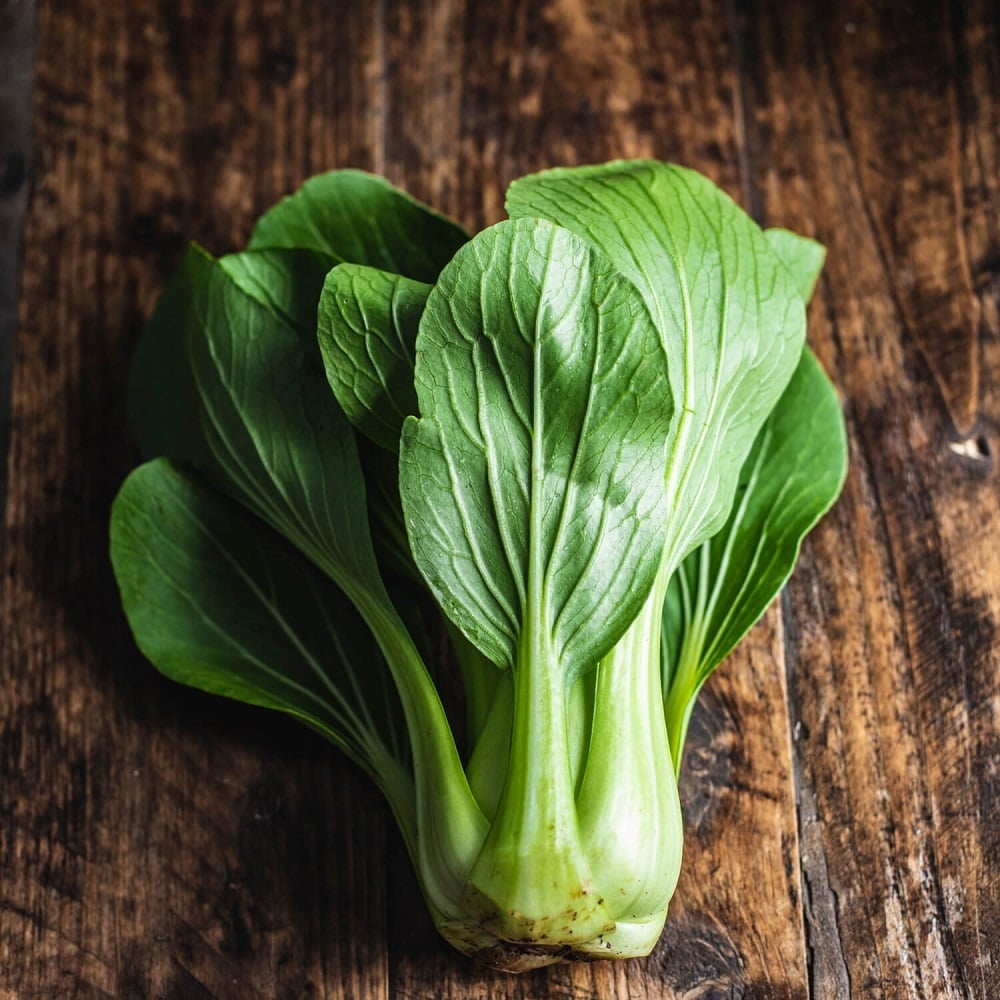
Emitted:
<point x="358" y="217"/>
<point x="530" y="483"/>
<point x="218" y="601"/>
<point x="368" y="321"/>
<point x="729" y="316"/>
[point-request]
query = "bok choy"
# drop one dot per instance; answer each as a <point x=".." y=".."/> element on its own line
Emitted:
<point x="572" y="456"/>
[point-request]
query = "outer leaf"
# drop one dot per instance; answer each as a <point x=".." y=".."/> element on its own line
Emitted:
<point x="218" y="601"/>
<point x="164" y="404"/>
<point x="281" y="289"/>
<point x="722" y="588"/>
<point x="731" y="322"/>
<point x="277" y="441"/>
<point x="802" y="257"/>
<point x="790" y="479"/>
<point x="368" y="322"/>
<point x="354" y="216"/>
<point x="288" y="282"/>
<point x="277" y="438"/>
<point x="527" y="482"/>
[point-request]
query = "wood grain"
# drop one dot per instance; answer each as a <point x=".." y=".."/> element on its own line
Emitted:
<point x="891" y="618"/>
<point x="17" y="34"/>
<point x="842" y="786"/>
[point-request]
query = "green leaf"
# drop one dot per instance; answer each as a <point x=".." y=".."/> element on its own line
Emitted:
<point x="355" y="216"/>
<point x="802" y="257"/>
<point x="790" y="479"/>
<point x="288" y="282"/>
<point x="277" y="441"/>
<point x="293" y="445"/>
<point x="220" y="602"/>
<point x="729" y="316"/>
<point x="527" y="481"/>
<point x="281" y="289"/>
<point x="163" y="405"/>
<point x="258" y="418"/>
<point x="368" y="323"/>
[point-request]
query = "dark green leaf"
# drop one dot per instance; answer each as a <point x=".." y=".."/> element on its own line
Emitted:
<point x="354" y="216"/>
<point x="368" y="322"/>
<point x="277" y="439"/>
<point x="288" y="282"/>
<point x="218" y="601"/>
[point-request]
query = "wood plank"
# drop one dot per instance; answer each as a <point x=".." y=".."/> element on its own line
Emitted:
<point x="17" y="47"/>
<point x="876" y="130"/>
<point x="153" y="843"/>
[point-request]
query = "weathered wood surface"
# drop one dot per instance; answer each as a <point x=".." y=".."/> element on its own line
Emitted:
<point x="842" y="787"/>
<point x="17" y="25"/>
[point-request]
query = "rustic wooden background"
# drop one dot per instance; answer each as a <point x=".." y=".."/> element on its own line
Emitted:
<point x="842" y="789"/>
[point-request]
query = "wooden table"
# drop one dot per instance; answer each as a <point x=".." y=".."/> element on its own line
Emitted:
<point x="842" y="789"/>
